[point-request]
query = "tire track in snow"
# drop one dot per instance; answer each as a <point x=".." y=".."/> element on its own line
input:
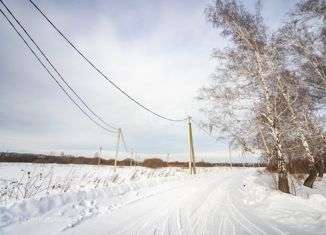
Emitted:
<point x="195" y="204"/>
<point x="173" y="217"/>
<point x="240" y="219"/>
<point x="143" y="222"/>
<point x="211" y="209"/>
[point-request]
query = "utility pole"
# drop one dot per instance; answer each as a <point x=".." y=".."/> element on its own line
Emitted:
<point x="136" y="163"/>
<point x="117" y="149"/>
<point x="99" y="157"/>
<point x="192" y="164"/>
<point x="230" y="155"/>
<point x="131" y="160"/>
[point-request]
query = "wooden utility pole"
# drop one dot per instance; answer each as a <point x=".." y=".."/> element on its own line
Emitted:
<point x="136" y="163"/>
<point x="131" y="160"/>
<point x="192" y="164"/>
<point x="230" y="156"/>
<point x="117" y="149"/>
<point x="99" y="157"/>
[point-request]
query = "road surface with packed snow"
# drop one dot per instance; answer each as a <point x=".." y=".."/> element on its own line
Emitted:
<point x="234" y="201"/>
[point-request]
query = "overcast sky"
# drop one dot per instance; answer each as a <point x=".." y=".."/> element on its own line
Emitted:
<point x="157" y="51"/>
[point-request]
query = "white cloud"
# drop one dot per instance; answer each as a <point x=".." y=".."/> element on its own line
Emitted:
<point x="159" y="54"/>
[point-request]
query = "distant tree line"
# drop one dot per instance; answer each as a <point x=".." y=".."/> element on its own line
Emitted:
<point x="150" y="162"/>
<point x="268" y="92"/>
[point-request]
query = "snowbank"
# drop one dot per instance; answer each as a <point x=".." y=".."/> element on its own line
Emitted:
<point x="90" y="187"/>
<point x="306" y="211"/>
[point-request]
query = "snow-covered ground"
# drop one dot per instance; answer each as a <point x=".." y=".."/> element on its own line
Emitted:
<point x="20" y="181"/>
<point x="81" y="199"/>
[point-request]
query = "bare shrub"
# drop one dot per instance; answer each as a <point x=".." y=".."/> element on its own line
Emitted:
<point x="154" y="163"/>
<point x="134" y="175"/>
<point x="114" y="178"/>
<point x="29" y="185"/>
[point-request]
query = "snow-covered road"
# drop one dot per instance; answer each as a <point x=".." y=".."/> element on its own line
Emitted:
<point x="203" y="205"/>
<point x="217" y="202"/>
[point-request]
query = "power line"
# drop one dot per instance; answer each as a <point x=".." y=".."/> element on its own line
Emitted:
<point x="103" y="75"/>
<point x="51" y="64"/>
<point x="61" y="77"/>
<point x="200" y="127"/>
<point x="124" y="142"/>
<point x="44" y="66"/>
<point x="100" y="72"/>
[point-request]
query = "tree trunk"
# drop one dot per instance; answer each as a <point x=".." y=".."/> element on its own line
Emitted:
<point x="320" y="168"/>
<point x="283" y="184"/>
<point x="309" y="182"/>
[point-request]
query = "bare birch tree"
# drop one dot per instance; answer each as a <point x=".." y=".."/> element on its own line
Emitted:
<point x="243" y="80"/>
<point x="302" y="43"/>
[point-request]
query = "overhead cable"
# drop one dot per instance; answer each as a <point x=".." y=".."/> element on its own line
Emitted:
<point x="54" y="68"/>
<point x="124" y="142"/>
<point x="100" y="72"/>
<point x="204" y="130"/>
<point x="53" y="77"/>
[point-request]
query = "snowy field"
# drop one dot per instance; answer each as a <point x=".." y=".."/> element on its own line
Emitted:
<point x="83" y="199"/>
